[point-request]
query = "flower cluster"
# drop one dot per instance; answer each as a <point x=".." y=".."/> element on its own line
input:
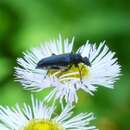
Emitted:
<point x="55" y="65"/>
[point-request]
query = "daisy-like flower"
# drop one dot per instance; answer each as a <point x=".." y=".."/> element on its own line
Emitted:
<point x="42" y="117"/>
<point x="103" y="70"/>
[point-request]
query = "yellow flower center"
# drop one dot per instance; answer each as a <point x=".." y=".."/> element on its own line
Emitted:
<point x="71" y="73"/>
<point x="42" y="125"/>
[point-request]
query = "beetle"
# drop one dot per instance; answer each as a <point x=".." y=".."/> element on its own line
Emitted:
<point x="63" y="62"/>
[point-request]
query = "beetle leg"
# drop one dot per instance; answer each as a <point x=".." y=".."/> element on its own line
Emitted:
<point x="67" y="68"/>
<point x="79" y="73"/>
<point x="81" y="68"/>
<point x="46" y="74"/>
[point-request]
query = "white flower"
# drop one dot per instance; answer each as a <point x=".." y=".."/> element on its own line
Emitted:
<point x="104" y="70"/>
<point x="42" y="117"/>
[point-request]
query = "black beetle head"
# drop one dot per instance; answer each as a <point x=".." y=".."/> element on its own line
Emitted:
<point x="86" y="61"/>
<point x="39" y="64"/>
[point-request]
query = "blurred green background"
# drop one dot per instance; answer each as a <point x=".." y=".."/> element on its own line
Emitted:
<point x="26" y="23"/>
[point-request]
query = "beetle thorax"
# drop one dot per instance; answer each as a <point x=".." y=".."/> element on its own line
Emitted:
<point x="76" y="58"/>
